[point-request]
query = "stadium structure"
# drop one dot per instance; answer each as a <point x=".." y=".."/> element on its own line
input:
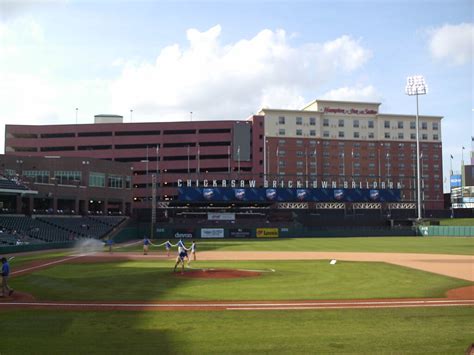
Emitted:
<point x="312" y="166"/>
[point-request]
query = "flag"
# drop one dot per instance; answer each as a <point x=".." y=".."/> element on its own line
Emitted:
<point x="452" y="156"/>
<point x="278" y="147"/>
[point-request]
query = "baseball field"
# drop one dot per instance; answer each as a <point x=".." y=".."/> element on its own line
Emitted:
<point x="379" y="295"/>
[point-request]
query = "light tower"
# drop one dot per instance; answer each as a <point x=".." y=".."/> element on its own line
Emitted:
<point x="416" y="86"/>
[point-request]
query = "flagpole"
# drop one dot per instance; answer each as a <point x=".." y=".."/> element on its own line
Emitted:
<point x="199" y="158"/>
<point x="306" y="162"/>
<point x="228" y="158"/>
<point x="278" y="162"/>
<point x="188" y="158"/>
<point x="238" y="156"/>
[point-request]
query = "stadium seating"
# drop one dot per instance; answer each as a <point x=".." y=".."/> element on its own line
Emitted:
<point x="58" y="229"/>
<point x="9" y="184"/>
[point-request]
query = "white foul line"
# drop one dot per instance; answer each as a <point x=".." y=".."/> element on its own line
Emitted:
<point x="47" y="264"/>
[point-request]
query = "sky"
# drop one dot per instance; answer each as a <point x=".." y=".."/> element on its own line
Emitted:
<point x="226" y="59"/>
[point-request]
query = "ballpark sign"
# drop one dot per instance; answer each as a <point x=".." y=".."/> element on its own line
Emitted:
<point x="290" y="184"/>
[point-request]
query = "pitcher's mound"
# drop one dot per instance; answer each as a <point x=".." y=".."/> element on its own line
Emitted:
<point x="216" y="273"/>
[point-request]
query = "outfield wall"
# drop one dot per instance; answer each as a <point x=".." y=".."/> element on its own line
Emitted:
<point x="35" y="247"/>
<point x="137" y="232"/>
<point x="446" y="231"/>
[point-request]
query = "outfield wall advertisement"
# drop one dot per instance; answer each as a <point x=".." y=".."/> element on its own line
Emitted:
<point x="196" y="194"/>
<point x="212" y="233"/>
<point x="267" y="233"/>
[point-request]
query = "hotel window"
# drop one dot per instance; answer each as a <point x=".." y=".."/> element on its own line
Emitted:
<point x="281" y="152"/>
<point x="341" y="144"/>
<point x="371" y="135"/>
<point x="281" y="163"/>
<point x="341" y="134"/>
<point x="424" y="137"/>
<point x="325" y="133"/>
<point x="326" y="154"/>
<point x="424" y="125"/>
<point x="355" y="124"/>
<point x="67" y="177"/>
<point x="435" y="126"/>
<point x="400" y="135"/>
<point x="371" y="155"/>
<point x="115" y="182"/>
<point x="299" y="142"/>
<point x="281" y="120"/>
<point x="312" y="132"/>
<point x="435" y="137"/>
<point x="96" y="179"/>
<point x="299" y="121"/>
<point x="412" y="135"/>
<point x="326" y="143"/>
<point x="371" y="165"/>
<point x="412" y="125"/>
<point x="38" y="176"/>
<point x="386" y="124"/>
<point x="312" y="121"/>
<point x="312" y="142"/>
<point x="299" y="132"/>
<point x="371" y="124"/>
<point x="356" y="134"/>
<point x="326" y="122"/>
<point x="299" y="173"/>
<point x="281" y="132"/>
<point x="387" y="135"/>
<point x="299" y="153"/>
<point x="299" y="164"/>
<point x="400" y="124"/>
<point x="340" y="123"/>
<point x="282" y="141"/>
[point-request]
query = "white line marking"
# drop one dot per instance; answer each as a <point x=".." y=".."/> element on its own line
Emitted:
<point x="345" y="307"/>
<point x="47" y="264"/>
<point x="267" y="270"/>
<point x="257" y="306"/>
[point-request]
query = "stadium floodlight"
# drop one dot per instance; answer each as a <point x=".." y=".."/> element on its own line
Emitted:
<point x="416" y="86"/>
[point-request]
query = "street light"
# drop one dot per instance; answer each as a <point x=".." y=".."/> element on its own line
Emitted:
<point x="416" y="86"/>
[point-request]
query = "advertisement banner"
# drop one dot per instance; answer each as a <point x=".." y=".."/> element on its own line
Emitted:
<point x="212" y="233"/>
<point x="456" y="180"/>
<point x="213" y="216"/>
<point x="183" y="233"/>
<point x="240" y="233"/>
<point x="267" y="233"/>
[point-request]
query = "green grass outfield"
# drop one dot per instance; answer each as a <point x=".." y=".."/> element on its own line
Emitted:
<point x="447" y="330"/>
<point x="423" y="245"/>
<point x="457" y="222"/>
<point x="292" y="280"/>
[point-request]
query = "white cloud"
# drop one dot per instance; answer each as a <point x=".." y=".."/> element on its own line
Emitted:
<point x="358" y="93"/>
<point x="453" y="43"/>
<point x="219" y="81"/>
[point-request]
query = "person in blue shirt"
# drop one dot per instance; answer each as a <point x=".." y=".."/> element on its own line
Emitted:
<point x="193" y="250"/>
<point x="168" y="246"/>
<point x="182" y="254"/>
<point x="108" y="243"/>
<point x="146" y="245"/>
<point x="5" y="273"/>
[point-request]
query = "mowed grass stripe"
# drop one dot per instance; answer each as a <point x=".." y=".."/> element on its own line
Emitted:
<point x="292" y="280"/>
<point x="357" y="331"/>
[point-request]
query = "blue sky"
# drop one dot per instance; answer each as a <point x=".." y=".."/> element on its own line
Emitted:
<point x="227" y="59"/>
